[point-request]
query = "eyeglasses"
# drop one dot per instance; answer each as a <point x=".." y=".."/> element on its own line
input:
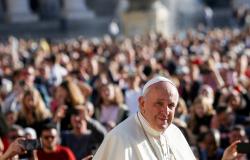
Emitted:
<point x="48" y="137"/>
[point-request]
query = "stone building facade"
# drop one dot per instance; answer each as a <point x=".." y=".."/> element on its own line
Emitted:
<point x="12" y="11"/>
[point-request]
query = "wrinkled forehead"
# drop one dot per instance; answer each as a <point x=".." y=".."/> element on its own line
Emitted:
<point x="164" y="90"/>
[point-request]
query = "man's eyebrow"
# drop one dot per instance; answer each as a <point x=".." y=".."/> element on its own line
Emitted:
<point x="160" y="99"/>
<point x="163" y="99"/>
<point x="171" y="103"/>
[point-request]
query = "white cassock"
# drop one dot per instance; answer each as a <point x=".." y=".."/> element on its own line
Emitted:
<point x="128" y="141"/>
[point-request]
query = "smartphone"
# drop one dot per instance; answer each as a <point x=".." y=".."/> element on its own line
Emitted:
<point x="243" y="148"/>
<point x="31" y="144"/>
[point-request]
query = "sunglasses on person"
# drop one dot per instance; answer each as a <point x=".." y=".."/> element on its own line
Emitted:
<point x="48" y="137"/>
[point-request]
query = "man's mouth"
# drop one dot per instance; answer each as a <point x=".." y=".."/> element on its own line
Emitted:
<point x="163" y="119"/>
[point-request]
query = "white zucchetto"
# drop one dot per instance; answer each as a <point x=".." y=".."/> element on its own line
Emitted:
<point x="155" y="80"/>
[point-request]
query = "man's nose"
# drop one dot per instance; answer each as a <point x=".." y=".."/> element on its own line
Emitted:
<point x="165" y="110"/>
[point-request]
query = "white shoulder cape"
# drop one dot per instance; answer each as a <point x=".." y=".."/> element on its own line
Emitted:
<point x="127" y="142"/>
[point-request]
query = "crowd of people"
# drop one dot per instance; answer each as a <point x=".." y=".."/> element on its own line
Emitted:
<point x="71" y="93"/>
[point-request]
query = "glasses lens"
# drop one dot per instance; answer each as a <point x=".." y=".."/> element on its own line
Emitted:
<point x="49" y="137"/>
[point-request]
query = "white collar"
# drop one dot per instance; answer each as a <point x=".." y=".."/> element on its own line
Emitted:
<point x="147" y="127"/>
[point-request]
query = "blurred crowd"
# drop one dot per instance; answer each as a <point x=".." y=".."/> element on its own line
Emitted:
<point x="71" y="93"/>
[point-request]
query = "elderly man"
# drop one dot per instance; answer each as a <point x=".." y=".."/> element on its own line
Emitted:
<point x="149" y="134"/>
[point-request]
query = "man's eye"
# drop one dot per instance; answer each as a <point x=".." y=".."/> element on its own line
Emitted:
<point x="159" y="104"/>
<point x="171" y="106"/>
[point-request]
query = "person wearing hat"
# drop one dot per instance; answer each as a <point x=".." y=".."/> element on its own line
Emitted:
<point x="149" y="134"/>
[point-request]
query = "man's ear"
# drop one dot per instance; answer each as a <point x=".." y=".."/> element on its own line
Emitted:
<point x="141" y="102"/>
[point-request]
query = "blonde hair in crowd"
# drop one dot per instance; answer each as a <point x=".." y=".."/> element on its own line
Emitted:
<point x="40" y="110"/>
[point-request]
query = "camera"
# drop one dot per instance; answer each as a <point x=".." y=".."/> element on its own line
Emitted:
<point x="31" y="144"/>
<point x="243" y="148"/>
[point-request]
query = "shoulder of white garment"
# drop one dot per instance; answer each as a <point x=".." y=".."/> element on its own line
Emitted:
<point x="116" y="142"/>
<point x="173" y="129"/>
<point x="174" y="133"/>
<point x="111" y="148"/>
<point x="178" y="143"/>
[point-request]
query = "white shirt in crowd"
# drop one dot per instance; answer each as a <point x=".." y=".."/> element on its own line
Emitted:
<point x="131" y="100"/>
<point x="57" y="74"/>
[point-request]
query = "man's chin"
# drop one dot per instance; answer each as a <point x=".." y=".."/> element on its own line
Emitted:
<point x="163" y="127"/>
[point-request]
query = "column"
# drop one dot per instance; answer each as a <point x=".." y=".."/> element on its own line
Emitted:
<point x="75" y="10"/>
<point x="135" y="5"/>
<point x="49" y="9"/>
<point x="19" y="11"/>
<point x="142" y="18"/>
<point x="1" y="11"/>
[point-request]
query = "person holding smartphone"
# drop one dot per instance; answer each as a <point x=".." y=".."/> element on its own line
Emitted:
<point x="20" y="146"/>
<point x="13" y="150"/>
<point x="232" y="153"/>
